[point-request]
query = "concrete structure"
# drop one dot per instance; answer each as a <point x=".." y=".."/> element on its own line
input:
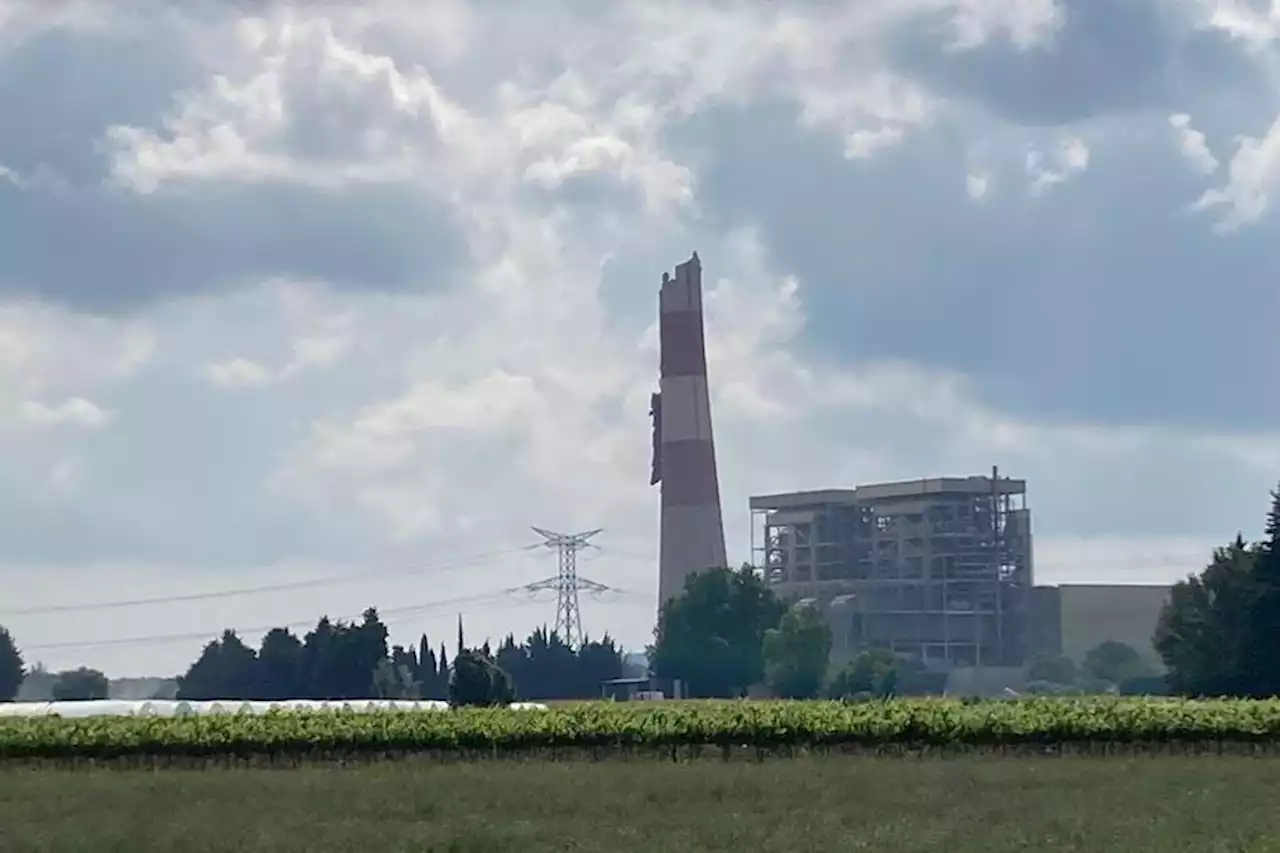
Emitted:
<point x="684" y="455"/>
<point x="938" y="569"/>
<point x="1071" y="619"/>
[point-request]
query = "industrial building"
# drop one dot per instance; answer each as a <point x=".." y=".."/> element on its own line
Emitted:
<point x="1071" y="619"/>
<point x="939" y="569"/>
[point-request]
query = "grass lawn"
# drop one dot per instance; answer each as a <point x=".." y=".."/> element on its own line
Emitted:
<point x="986" y="804"/>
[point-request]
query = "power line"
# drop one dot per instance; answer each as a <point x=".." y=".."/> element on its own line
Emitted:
<point x="345" y="577"/>
<point x="157" y="639"/>
<point x="611" y="551"/>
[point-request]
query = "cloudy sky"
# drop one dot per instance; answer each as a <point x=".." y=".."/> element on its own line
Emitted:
<point x="341" y="298"/>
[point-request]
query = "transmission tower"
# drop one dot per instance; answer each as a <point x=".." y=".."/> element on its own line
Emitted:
<point x="566" y="582"/>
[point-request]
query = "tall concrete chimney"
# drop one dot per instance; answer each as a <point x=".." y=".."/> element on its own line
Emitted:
<point x="684" y="455"/>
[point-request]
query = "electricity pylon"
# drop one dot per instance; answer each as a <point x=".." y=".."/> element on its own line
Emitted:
<point x="566" y="582"/>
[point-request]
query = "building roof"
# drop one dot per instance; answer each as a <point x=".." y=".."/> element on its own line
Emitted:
<point x="977" y="485"/>
<point x="640" y="680"/>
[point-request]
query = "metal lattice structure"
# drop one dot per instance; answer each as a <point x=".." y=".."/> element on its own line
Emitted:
<point x="566" y="582"/>
<point x="938" y="569"/>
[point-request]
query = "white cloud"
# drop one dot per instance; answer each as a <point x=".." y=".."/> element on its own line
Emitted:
<point x="237" y="373"/>
<point x="1027" y="24"/>
<point x="51" y="360"/>
<point x="308" y="354"/>
<point x="1243" y="20"/>
<point x="1252" y="175"/>
<point x="44" y="348"/>
<point x="861" y="144"/>
<point x="266" y="120"/>
<point x="318" y="340"/>
<point x="977" y="184"/>
<point x="248" y="128"/>
<point x="1192" y="144"/>
<point x="316" y="352"/>
<point x="1048" y="169"/>
<point x="274" y="121"/>
<point x="76" y="411"/>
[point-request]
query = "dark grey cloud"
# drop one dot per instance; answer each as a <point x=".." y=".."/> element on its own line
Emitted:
<point x="68" y="236"/>
<point x="104" y="249"/>
<point x="1103" y="300"/>
<point x="1120" y="55"/>
<point x="61" y="89"/>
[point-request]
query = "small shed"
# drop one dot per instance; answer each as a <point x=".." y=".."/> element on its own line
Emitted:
<point x="627" y="689"/>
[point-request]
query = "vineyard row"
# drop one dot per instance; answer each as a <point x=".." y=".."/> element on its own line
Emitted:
<point x="625" y="726"/>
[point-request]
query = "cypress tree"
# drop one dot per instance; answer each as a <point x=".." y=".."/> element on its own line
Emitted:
<point x="443" y="678"/>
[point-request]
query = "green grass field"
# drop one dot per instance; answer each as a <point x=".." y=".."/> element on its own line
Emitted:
<point x="1097" y="775"/>
<point x="987" y="804"/>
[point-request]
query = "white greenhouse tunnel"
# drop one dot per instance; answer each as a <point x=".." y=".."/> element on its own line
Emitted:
<point x="162" y="708"/>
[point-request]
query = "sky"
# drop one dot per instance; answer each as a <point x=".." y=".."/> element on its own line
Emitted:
<point x="340" y="299"/>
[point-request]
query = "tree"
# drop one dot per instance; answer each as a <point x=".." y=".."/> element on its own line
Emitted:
<point x="546" y="667"/>
<point x="598" y="661"/>
<point x="477" y="681"/>
<point x="339" y="660"/>
<point x="513" y="657"/>
<point x="81" y="684"/>
<point x="797" y="653"/>
<point x="711" y="636"/>
<point x="873" y="672"/>
<point x="370" y="639"/>
<point x="12" y="668"/>
<point x="1258" y="665"/>
<point x="1114" y="662"/>
<point x="442" y="675"/>
<point x="1059" y="670"/>
<point x="430" y="685"/>
<point x="1201" y="630"/>
<point x="226" y="669"/>
<point x="280" y="671"/>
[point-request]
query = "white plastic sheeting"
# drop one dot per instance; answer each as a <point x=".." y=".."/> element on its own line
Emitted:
<point x="161" y="708"/>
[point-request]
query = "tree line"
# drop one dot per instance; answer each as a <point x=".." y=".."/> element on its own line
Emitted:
<point x="352" y="660"/>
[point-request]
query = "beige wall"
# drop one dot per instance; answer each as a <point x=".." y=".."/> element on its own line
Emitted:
<point x="1092" y="614"/>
